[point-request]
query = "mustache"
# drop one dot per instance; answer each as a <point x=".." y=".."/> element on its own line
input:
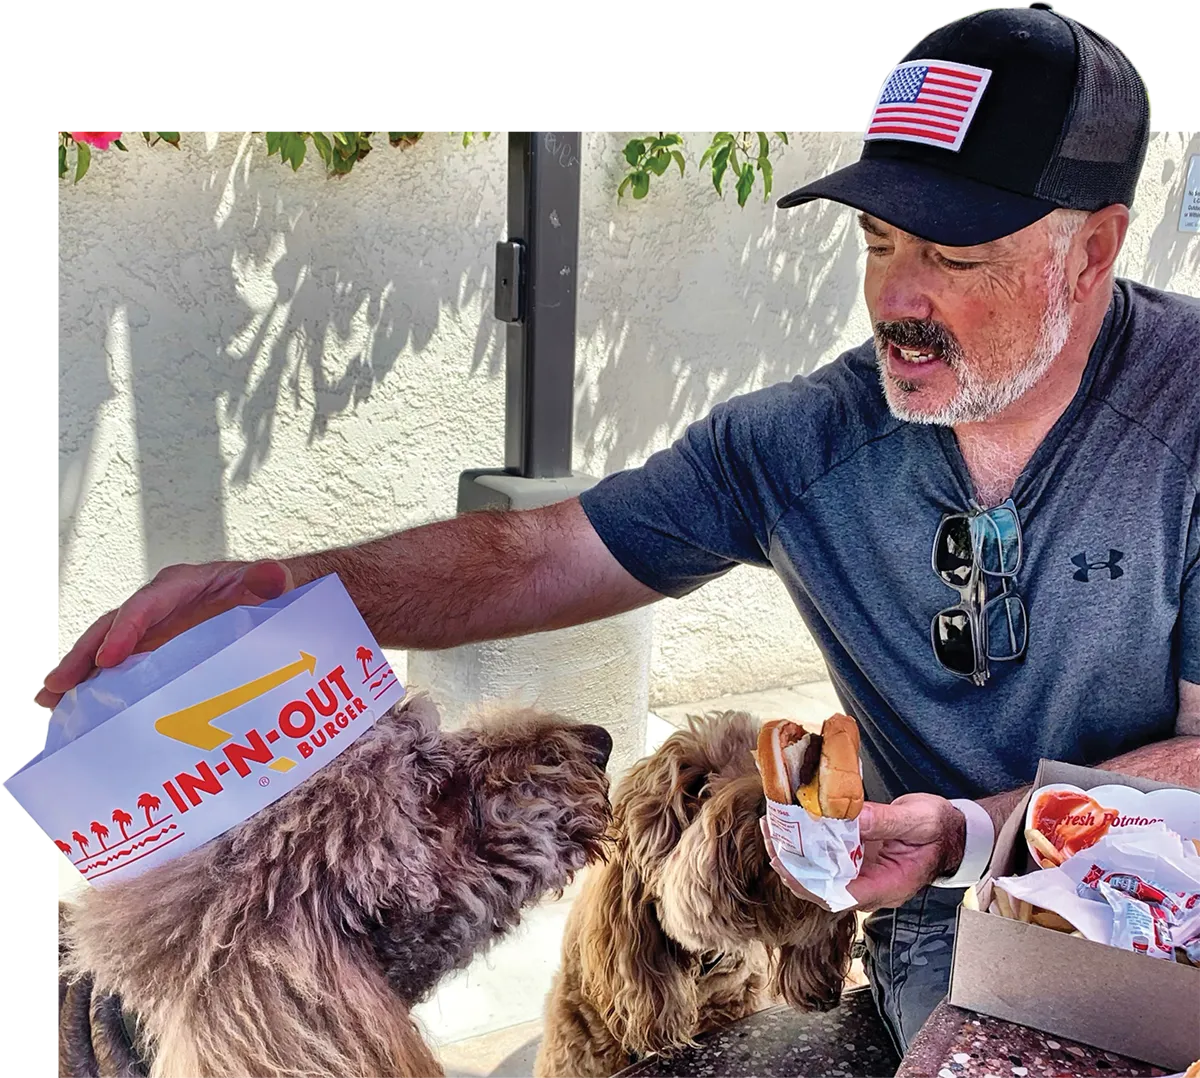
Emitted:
<point x="919" y="333"/>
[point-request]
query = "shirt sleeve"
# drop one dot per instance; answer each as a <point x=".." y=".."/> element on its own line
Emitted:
<point x="690" y="513"/>
<point x="1189" y="608"/>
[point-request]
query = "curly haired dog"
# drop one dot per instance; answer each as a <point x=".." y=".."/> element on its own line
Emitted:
<point x="687" y="928"/>
<point x="296" y="943"/>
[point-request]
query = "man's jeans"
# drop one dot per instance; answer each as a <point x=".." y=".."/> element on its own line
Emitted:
<point x="907" y="959"/>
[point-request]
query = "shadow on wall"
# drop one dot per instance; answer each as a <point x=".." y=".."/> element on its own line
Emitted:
<point x="216" y="287"/>
<point x="218" y="290"/>
<point x="688" y="300"/>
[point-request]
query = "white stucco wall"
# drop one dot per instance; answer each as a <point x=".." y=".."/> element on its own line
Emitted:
<point x="254" y="361"/>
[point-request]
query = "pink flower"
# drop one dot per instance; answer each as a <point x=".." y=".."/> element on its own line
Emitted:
<point x="100" y="139"/>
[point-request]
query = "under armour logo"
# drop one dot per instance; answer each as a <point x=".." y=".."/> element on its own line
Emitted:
<point x="1087" y="567"/>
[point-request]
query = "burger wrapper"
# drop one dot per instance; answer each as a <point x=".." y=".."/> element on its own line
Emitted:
<point x="1137" y="876"/>
<point x="821" y="854"/>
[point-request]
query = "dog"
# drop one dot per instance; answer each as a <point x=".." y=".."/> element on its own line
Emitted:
<point x="297" y="942"/>
<point x="686" y="927"/>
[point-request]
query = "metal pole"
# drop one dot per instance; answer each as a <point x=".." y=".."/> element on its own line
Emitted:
<point x="536" y="273"/>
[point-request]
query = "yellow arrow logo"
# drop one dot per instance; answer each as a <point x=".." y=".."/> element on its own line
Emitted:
<point x="194" y="725"/>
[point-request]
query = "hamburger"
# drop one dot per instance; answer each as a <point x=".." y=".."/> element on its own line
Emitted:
<point x="820" y="772"/>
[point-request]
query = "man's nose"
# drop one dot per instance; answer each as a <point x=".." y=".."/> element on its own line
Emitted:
<point x="903" y="291"/>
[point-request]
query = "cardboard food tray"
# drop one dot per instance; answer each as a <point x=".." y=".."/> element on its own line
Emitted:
<point x="1145" y="1008"/>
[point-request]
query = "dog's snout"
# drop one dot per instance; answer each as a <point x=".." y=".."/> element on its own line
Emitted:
<point x="600" y="741"/>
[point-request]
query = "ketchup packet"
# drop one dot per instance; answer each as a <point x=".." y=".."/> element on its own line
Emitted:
<point x="1137" y="888"/>
<point x="822" y="854"/>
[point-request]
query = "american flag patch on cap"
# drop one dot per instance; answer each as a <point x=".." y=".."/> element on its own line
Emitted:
<point x="928" y="101"/>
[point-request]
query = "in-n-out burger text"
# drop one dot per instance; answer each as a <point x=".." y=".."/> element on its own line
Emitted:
<point x="310" y="722"/>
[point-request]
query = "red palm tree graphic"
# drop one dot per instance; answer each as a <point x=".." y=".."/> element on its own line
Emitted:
<point x="148" y="803"/>
<point x="80" y="841"/>
<point x="122" y="819"/>
<point x="64" y="846"/>
<point x="364" y="655"/>
<point x="100" y="831"/>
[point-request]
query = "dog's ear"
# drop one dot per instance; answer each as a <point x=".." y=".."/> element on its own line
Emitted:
<point x="629" y="969"/>
<point x="660" y="796"/>
<point x="810" y="975"/>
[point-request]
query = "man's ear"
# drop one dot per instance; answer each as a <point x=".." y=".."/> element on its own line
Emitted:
<point x="1101" y="238"/>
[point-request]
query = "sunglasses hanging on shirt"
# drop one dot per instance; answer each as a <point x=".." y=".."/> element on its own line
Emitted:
<point x="969" y="551"/>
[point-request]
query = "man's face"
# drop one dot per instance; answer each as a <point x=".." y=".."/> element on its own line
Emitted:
<point x="963" y="332"/>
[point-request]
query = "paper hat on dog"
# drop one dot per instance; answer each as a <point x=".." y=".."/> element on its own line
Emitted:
<point x="154" y="757"/>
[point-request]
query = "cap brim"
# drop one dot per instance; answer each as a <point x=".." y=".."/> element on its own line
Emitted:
<point x="925" y="201"/>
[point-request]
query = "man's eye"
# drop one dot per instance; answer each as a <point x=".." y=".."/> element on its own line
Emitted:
<point x="954" y="264"/>
<point x="877" y="250"/>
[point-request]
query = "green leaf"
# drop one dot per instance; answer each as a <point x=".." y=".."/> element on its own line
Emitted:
<point x="83" y="158"/>
<point x="782" y="137"/>
<point x="764" y="166"/>
<point x="321" y="142"/>
<point x="274" y="141"/>
<point x="762" y="145"/>
<point x="659" y="163"/>
<point x="62" y="160"/>
<point x="722" y="137"/>
<point x="293" y="149"/>
<point x="624" y="183"/>
<point x="341" y="136"/>
<point x="171" y="137"/>
<point x="641" y="184"/>
<point x="745" y="183"/>
<point x="634" y="149"/>
<point x="678" y="160"/>
<point x="720" y="163"/>
<point x="120" y="145"/>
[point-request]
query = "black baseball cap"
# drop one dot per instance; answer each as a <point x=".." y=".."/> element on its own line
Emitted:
<point x="992" y="122"/>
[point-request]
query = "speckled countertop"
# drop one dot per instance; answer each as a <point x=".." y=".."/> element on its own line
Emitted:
<point x="846" y="1042"/>
<point x="961" y="1044"/>
<point x="850" y="1042"/>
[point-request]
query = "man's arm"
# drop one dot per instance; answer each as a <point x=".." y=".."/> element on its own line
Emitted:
<point x="1176" y="760"/>
<point x="480" y="576"/>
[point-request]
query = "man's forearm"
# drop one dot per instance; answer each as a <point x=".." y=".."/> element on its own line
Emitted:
<point x="1176" y="760"/>
<point x="480" y="576"/>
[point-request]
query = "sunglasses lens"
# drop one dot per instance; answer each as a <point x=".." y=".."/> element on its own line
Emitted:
<point x="1008" y="629"/>
<point x="997" y="536"/>
<point x="952" y="551"/>
<point x="953" y="641"/>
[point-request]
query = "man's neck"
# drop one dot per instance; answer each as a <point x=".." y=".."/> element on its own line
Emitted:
<point x="997" y="450"/>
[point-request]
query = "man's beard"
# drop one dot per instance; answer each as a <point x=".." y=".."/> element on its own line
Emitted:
<point x="976" y="399"/>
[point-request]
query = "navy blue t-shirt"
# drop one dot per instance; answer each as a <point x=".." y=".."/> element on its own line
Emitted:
<point x="816" y="479"/>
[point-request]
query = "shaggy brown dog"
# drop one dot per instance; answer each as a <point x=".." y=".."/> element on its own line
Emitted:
<point x="296" y="943"/>
<point x="688" y="927"/>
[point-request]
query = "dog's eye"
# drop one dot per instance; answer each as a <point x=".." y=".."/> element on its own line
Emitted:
<point x="696" y="786"/>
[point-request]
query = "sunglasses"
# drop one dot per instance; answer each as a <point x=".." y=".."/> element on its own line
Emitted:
<point x="969" y="551"/>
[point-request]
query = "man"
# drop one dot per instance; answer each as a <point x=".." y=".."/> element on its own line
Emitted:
<point x="987" y="516"/>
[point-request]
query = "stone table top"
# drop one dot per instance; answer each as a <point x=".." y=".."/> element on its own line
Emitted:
<point x="955" y="1043"/>
<point x="847" y="1042"/>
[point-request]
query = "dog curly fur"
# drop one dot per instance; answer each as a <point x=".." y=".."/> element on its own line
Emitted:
<point x="296" y="943"/>
<point x="687" y="927"/>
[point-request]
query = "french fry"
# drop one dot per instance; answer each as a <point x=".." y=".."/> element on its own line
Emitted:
<point x="1043" y="845"/>
<point x="1006" y="905"/>
<point x="1024" y="910"/>
<point x="1050" y="919"/>
<point x="971" y="899"/>
<point x="1196" y="843"/>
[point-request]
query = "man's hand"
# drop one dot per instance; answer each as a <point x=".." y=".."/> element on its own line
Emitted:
<point x="176" y="599"/>
<point x="906" y="845"/>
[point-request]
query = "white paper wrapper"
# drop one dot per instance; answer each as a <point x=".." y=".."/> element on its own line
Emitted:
<point x="1153" y="854"/>
<point x="823" y="855"/>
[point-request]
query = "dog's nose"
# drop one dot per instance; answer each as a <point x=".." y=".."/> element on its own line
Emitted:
<point x="599" y="740"/>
